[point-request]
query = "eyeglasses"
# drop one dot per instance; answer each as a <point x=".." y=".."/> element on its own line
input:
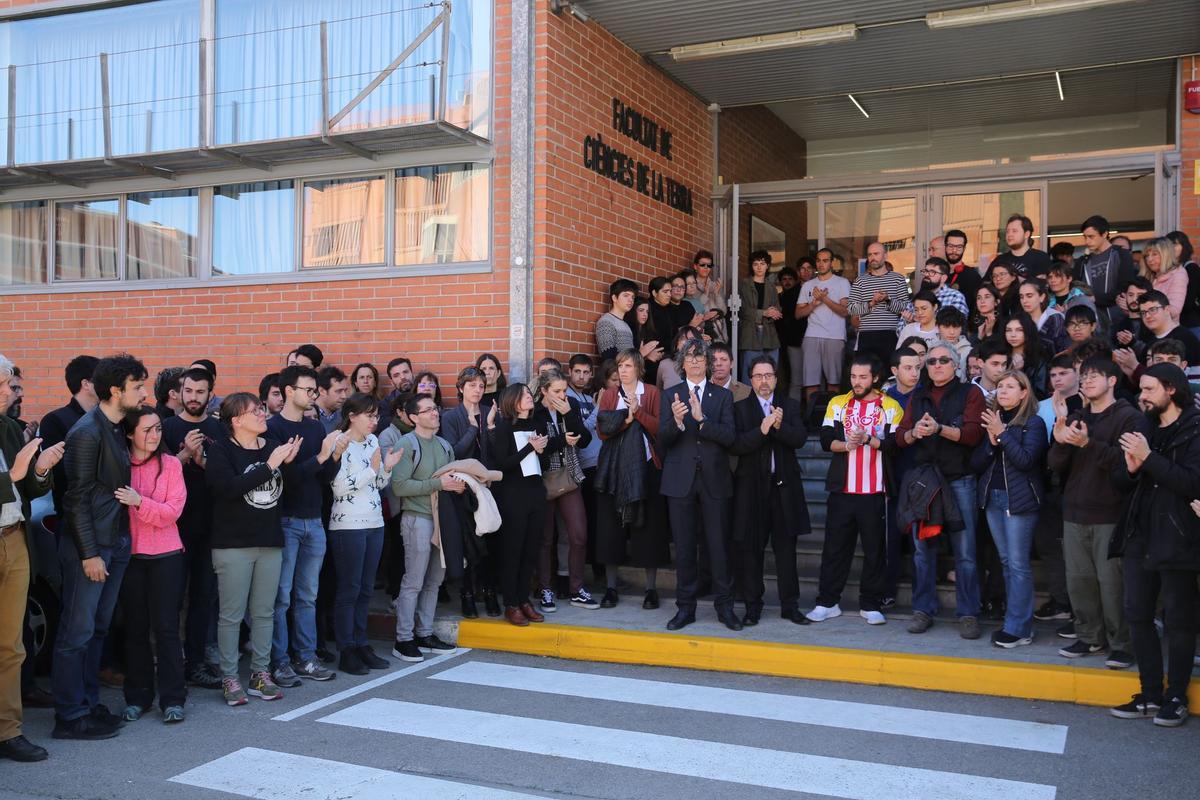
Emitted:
<point x="1151" y="309"/>
<point x="934" y="271"/>
<point x="694" y="359"/>
<point x="311" y="390"/>
<point x="939" y="360"/>
<point x="1079" y="323"/>
<point x="258" y="411"/>
<point x="427" y="410"/>
<point x="762" y="376"/>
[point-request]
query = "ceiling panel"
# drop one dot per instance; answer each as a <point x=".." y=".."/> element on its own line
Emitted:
<point x="886" y="57"/>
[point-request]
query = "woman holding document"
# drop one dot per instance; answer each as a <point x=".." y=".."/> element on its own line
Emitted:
<point x="516" y="449"/>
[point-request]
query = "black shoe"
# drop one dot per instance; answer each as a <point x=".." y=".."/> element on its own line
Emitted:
<point x="19" y="748"/>
<point x="373" y="661"/>
<point x="83" y="729"/>
<point x="37" y="697"/>
<point x="650" y="602"/>
<point x="407" y="651"/>
<point x="729" y="620"/>
<point x="351" y="662"/>
<point x="753" y="615"/>
<point x="681" y="620"/>
<point x="610" y="599"/>
<point x="1080" y="649"/>
<point x="204" y="678"/>
<point x="491" y="604"/>
<point x="1172" y="714"/>
<point x="1052" y="610"/>
<point x="1067" y="631"/>
<point x="796" y="616"/>
<point x="434" y="645"/>
<point x="325" y="656"/>
<point x="1139" y="707"/>
<point x="101" y="712"/>
<point x="1118" y="659"/>
<point x="468" y="606"/>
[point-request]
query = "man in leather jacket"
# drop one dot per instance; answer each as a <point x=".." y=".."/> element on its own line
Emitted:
<point x="94" y="547"/>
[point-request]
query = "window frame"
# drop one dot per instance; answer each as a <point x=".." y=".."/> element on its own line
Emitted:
<point x="205" y="184"/>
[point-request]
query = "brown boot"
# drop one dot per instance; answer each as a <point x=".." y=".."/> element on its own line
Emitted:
<point x="530" y="613"/>
<point x="514" y="615"/>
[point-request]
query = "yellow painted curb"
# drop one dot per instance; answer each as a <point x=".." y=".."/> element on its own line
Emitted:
<point x="1086" y="686"/>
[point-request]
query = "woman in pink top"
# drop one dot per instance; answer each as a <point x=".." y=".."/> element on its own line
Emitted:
<point x="1160" y="267"/>
<point x="152" y="592"/>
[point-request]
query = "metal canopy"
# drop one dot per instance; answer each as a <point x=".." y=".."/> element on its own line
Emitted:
<point x="892" y="56"/>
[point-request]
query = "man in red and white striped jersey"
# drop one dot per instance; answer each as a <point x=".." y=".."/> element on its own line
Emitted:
<point x="855" y="428"/>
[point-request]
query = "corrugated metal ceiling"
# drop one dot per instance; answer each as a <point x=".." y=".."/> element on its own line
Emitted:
<point x="891" y="56"/>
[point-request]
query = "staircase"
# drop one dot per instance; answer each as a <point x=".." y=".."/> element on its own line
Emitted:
<point x="814" y="463"/>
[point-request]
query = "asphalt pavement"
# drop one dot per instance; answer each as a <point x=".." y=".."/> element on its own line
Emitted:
<point x="492" y="725"/>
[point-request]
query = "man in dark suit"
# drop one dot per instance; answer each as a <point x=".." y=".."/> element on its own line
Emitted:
<point x="769" y="501"/>
<point x="696" y="427"/>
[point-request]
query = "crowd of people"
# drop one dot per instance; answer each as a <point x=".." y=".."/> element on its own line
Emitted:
<point x="1044" y="405"/>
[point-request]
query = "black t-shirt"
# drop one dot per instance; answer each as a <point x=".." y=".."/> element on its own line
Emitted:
<point x="1191" y="345"/>
<point x="1034" y="264"/>
<point x="790" y="330"/>
<point x="175" y="430"/>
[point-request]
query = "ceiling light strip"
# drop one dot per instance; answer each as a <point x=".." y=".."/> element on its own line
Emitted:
<point x="765" y="43"/>
<point x="1008" y="12"/>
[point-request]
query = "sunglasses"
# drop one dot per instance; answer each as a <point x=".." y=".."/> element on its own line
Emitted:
<point x="939" y="360"/>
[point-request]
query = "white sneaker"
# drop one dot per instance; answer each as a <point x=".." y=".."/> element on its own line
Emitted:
<point x="822" y="613"/>
<point x="873" y="617"/>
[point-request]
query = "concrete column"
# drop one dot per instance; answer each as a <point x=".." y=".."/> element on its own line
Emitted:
<point x="520" y="286"/>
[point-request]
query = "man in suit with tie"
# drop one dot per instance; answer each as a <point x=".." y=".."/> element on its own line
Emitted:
<point x="696" y="427"/>
<point x="769" y="498"/>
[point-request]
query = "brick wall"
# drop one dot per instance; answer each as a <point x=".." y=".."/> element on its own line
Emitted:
<point x="442" y="323"/>
<point x="590" y="229"/>
<point x="1189" y="200"/>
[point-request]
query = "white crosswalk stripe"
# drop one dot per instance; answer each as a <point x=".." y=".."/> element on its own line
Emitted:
<point x="749" y="766"/>
<point x="268" y="775"/>
<point x="891" y="720"/>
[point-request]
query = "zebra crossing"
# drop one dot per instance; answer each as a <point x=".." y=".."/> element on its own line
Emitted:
<point x="268" y="774"/>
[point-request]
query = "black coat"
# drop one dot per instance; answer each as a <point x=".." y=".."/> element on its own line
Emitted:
<point x="753" y="479"/>
<point x="12" y="439"/>
<point x="1163" y="490"/>
<point x="698" y="449"/>
<point x="96" y="465"/>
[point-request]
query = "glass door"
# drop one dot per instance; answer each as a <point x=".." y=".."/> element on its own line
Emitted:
<point x="850" y="223"/>
<point x="981" y="213"/>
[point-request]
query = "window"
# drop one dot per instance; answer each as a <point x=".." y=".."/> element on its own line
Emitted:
<point x="442" y="214"/>
<point x="153" y="69"/>
<point x="343" y="222"/>
<point x="23" y="242"/>
<point x="160" y="234"/>
<point x="254" y="228"/>
<point x="85" y="243"/>
<point x="268" y="65"/>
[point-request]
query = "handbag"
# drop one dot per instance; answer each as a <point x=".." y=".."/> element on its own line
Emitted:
<point x="559" y="482"/>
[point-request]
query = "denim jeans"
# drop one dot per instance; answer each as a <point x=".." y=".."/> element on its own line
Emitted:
<point x="1013" y="534"/>
<point x="357" y="555"/>
<point x="303" y="554"/>
<point x="86" y="613"/>
<point x="925" y="597"/>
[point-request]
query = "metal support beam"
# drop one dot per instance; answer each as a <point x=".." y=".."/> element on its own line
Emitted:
<point x="441" y="19"/>
<point x="444" y="69"/>
<point x="12" y="114"/>
<point x="105" y="105"/>
<point x="235" y="158"/>
<point x="44" y="176"/>
<point x="202" y="136"/>
<point x="324" y="79"/>
<point x="352" y="149"/>
<point x="140" y="168"/>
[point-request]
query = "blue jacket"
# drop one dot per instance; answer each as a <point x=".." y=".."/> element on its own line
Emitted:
<point x="1022" y="454"/>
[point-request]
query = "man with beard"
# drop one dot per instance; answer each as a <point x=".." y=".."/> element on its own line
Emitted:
<point x="1086" y="455"/>
<point x="1162" y="543"/>
<point x="1021" y="258"/>
<point x="935" y="277"/>
<point x="877" y="298"/>
<point x="963" y="277"/>
<point x="187" y="435"/>
<point x="94" y="548"/>
<point x="855" y="428"/>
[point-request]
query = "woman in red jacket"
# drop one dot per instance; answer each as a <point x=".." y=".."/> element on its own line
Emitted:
<point x="628" y="474"/>
<point x="152" y="592"/>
